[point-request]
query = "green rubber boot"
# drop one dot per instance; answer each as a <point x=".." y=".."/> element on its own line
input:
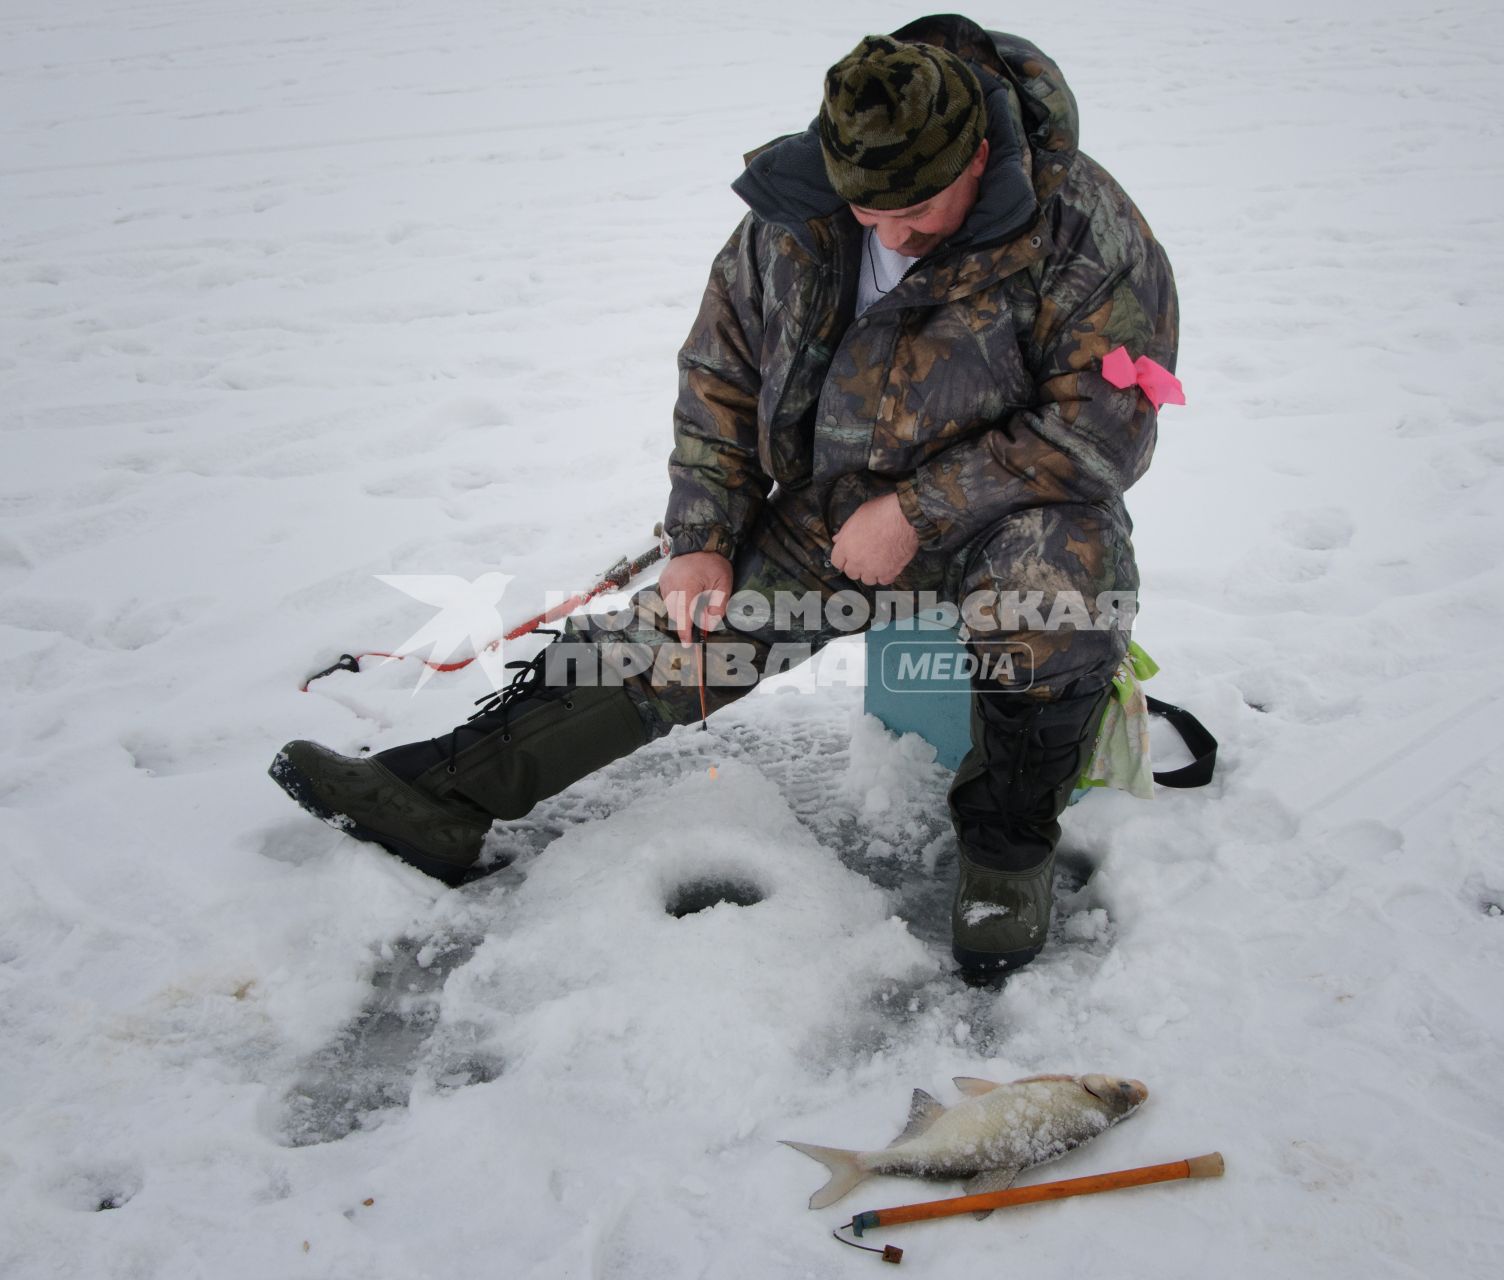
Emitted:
<point x="1000" y="918"/>
<point x="431" y="803"/>
<point x="1025" y="759"/>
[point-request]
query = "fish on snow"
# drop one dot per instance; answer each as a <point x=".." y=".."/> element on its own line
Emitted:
<point x="990" y="1136"/>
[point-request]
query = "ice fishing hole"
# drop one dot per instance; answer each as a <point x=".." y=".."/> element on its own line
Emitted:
<point x="699" y="895"/>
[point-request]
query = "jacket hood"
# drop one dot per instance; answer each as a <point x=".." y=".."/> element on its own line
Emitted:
<point x="785" y="184"/>
<point x="1048" y="107"/>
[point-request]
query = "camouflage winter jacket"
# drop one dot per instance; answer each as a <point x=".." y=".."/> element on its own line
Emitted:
<point x="973" y="389"/>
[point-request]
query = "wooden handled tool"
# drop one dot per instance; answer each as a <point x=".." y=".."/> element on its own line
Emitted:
<point x="1208" y="1166"/>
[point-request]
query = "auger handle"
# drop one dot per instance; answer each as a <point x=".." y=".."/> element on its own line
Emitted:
<point x="1207" y="1166"/>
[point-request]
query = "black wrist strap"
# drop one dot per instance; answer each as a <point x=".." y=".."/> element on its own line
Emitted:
<point x="1202" y="746"/>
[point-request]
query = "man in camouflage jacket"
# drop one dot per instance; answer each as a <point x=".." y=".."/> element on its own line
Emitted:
<point x="969" y="401"/>
<point x="955" y="435"/>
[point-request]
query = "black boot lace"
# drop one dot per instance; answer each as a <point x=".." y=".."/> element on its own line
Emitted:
<point x="527" y="684"/>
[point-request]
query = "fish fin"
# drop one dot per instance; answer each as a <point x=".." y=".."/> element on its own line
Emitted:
<point x="989" y="1180"/>
<point x="845" y="1171"/>
<point x="1031" y="1079"/>
<point x="973" y="1087"/>
<point x="923" y="1112"/>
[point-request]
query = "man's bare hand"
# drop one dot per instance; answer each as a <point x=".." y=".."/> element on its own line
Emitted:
<point x="695" y="588"/>
<point x="876" y="544"/>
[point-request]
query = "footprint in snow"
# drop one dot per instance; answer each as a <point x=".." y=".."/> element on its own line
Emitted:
<point x="369" y="1069"/>
<point x="1318" y="528"/>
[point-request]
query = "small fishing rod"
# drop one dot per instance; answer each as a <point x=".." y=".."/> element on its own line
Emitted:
<point x="614" y="579"/>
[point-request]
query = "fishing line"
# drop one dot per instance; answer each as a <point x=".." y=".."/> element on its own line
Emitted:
<point x="890" y="1253"/>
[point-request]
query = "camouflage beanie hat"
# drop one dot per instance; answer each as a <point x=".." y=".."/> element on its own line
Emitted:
<point x="899" y="122"/>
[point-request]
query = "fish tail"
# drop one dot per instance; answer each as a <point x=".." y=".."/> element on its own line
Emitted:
<point x="845" y="1171"/>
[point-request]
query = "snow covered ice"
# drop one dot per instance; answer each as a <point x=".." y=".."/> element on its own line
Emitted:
<point x="300" y="296"/>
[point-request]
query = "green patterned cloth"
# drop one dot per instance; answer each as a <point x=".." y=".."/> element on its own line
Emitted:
<point x="899" y="122"/>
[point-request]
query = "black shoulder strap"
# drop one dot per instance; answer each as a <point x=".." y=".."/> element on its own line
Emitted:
<point x="1195" y="736"/>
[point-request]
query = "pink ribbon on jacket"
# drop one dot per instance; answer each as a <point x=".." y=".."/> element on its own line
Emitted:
<point x="1154" y="380"/>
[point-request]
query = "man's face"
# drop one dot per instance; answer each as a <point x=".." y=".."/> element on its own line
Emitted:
<point x="922" y="227"/>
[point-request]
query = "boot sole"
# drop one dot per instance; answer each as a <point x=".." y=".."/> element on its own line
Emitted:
<point x="298" y="785"/>
<point x="989" y="966"/>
